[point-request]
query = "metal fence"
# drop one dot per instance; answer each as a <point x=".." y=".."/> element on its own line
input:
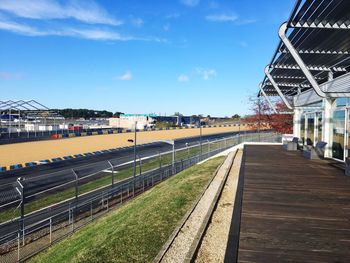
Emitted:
<point x="25" y="236"/>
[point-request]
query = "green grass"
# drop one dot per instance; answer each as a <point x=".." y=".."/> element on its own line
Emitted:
<point x="54" y="198"/>
<point x="138" y="230"/>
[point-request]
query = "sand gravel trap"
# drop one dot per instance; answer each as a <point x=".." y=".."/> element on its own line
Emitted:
<point x="34" y="151"/>
<point x="214" y="242"/>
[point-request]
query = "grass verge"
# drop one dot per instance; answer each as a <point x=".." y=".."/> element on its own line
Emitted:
<point x="137" y="231"/>
<point x="57" y="197"/>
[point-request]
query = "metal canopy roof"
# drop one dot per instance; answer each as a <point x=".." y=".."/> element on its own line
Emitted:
<point x="30" y="107"/>
<point x="319" y="32"/>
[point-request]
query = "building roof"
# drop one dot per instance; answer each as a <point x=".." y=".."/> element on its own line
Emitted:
<point x="319" y="31"/>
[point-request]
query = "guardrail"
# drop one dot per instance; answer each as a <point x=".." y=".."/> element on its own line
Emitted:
<point x="30" y="235"/>
<point x="65" y="134"/>
<point x="26" y="136"/>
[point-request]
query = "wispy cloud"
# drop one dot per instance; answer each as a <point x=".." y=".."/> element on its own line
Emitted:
<point x="231" y="18"/>
<point x="138" y="22"/>
<point x="172" y="16"/>
<point x="246" y="21"/>
<point x="93" y="34"/>
<point x="20" y="28"/>
<point x="84" y="11"/>
<point x="183" y="78"/>
<point x="190" y="3"/>
<point x="77" y="32"/>
<point x="5" y="75"/>
<point x="126" y="76"/>
<point x="222" y="18"/>
<point x="206" y="73"/>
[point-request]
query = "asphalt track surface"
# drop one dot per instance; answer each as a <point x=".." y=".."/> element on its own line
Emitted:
<point x="47" y="176"/>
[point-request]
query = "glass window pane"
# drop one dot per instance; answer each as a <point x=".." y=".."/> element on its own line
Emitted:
<point x="341" y="102"/>
<point x="310" y="129"/>
<point x="302" y="128"/>
<point x="319" y="126"/>
<point x="338" y="134"/>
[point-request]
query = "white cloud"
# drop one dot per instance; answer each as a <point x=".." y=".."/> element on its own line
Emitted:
<point x="20" y="28"/>
<point x="84" y="33"/>
<point x="190" y="3"/>
<point x="183" y="78"/>
<point x="138" y="22"/>
<point x="5" y="75"/>
<point x="93" y="34"/>
<point x="172" y="16"/>
<point x="246" y="21"/>
<point x="126" y="76"/>
<point x="222" y="18"/>
<point x="84" y="11"/>
<point x="206" y="73"/>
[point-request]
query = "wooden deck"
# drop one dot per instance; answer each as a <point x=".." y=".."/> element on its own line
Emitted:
<point x="293" y="209"/>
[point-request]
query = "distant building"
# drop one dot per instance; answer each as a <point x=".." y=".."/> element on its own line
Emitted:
<point x="127" y="121"/>
<point x="144" y="121"/>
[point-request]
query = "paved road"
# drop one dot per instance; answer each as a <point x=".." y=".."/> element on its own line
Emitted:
<point x="60" y="211"/>
<point x="9" y="230"/>
<point x="50" y="175"/>
<point x="43" y="177"/>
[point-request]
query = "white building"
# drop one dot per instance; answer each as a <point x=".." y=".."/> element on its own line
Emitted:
<point x="127" y="121"/>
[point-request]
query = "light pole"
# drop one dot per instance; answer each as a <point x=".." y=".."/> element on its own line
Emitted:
<point x="20" y="190"/>
<point x="188" y="151"/>
<point x="200" y="136"/>
<point x="134" y="141"/>
<point x="140" y="173"/>
<point x="112" y="169"/>
<point x="239" y="131"/>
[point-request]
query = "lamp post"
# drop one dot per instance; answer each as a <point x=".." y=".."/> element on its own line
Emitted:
<point x="20" y="190"/>
<point x="200" y="136"/>
<point x="239" y="131"/>
<point x="188" y="151"/>
<point x="134" y="141"/>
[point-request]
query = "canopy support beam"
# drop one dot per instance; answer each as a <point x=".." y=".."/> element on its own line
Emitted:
<point x="274" y="84"/>
<point x="267" y="98"/>
<point x="282" y="34"/>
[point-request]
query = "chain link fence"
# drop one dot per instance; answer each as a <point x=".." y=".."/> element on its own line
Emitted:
<point x="84" y="200"/>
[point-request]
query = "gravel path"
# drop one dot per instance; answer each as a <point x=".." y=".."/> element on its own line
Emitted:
<point x="181" y="248"/>
<point x="214" y="242"/>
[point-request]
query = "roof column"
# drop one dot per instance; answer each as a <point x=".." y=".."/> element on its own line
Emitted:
<point x="297" y="121"/>
<point x="329" y="105"/>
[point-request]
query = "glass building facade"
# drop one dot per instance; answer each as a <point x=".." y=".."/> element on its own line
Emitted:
<point x="312" y="127"/>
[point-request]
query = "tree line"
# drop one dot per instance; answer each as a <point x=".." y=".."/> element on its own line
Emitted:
<point x="84" y="113"/>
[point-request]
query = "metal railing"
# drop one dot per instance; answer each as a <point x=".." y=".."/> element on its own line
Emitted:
<point x="30" y="235"/>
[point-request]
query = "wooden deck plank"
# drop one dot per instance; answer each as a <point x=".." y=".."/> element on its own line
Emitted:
<point x="293" y="209"/>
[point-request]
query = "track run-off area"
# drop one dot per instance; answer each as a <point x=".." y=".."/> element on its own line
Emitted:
<point x="41" y="150"/>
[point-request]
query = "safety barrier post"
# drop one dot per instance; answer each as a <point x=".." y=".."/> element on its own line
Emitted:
<point x="18" y="246"/>
<point x="50" y="230"/>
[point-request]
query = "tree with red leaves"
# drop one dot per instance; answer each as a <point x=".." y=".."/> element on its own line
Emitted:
<point x="264" y="117"/>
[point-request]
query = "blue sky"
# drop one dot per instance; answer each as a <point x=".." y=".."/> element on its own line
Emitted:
<point x="138" y="56"/>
